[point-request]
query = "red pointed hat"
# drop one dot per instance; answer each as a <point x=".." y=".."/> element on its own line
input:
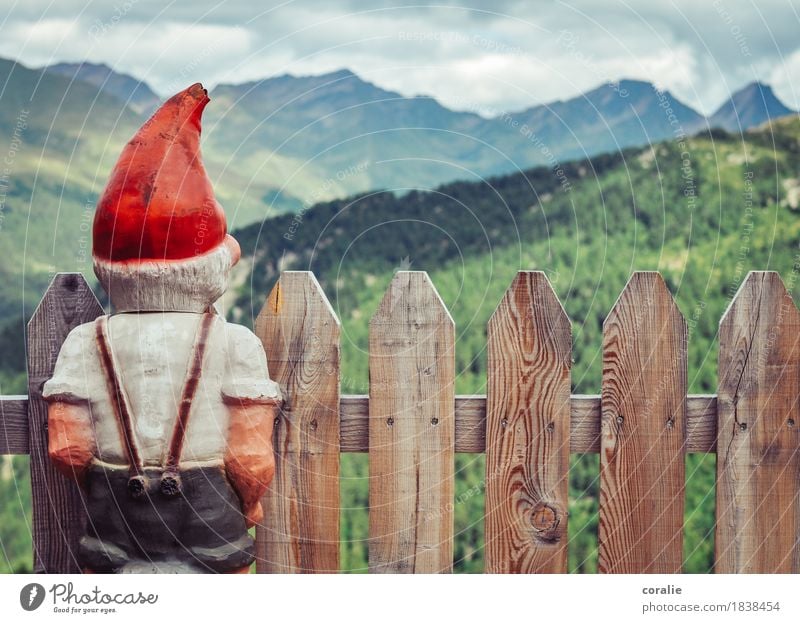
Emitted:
<point x="159" y="203"/>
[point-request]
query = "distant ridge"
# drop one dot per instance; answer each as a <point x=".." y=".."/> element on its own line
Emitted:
<point x="615" y="104"/>
<point x="135" y="93"/>
<point x="749" y="107"/>
<point x="285" y="142"/>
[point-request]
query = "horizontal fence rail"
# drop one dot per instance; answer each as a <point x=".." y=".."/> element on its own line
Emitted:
<point x="411" y="424"/>
<point x="470" y="424"/>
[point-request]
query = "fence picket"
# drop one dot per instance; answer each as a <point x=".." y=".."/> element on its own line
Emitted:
<point x="411" y="429"/>
<point x="300" y="333"/>
<point x="758" y="491"/>
<point x="643" y="431"/>
<point x="58" y="512"/>
<point x="527" y="430"/>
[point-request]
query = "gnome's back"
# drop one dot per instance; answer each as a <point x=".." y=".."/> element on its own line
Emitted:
<point x="148" y="402"/>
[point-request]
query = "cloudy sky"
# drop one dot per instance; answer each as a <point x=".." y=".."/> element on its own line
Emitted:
<point x="478" y="55"/>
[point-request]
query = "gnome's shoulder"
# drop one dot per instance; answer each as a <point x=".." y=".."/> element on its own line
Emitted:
<point x="238" y="336"/>
<point x="81" y="337"/>
<point x="247" y="375"/>
<point x="73" y="378"/>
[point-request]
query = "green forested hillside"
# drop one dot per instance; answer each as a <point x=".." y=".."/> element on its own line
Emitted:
<point x="703" y="213"/>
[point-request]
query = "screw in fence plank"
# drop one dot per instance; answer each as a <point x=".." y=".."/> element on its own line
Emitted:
<point x="300" y="333"/>
<point x="758" y="462"/>
<point x="643" y="431"/>
<point x="411" y="429"/>
<point x="528" y="430"/>
<point x="58" y="511"/>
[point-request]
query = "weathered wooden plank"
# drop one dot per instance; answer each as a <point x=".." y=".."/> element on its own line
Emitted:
<point x="411" y="429"/>
<point x="527" y="430"/>
<point x="14" y="425"/>
<point x="643" y="431"/>
<point x="58" y="512"/>
<point x="758" y="490"/>
<point x="300" y="333"/>
<point x="701" y="423"/>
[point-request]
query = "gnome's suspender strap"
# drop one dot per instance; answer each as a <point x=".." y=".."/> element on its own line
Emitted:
<point x="119" y="400"/>
<point x="121" y="404"/>
<point x="193" y="373"/>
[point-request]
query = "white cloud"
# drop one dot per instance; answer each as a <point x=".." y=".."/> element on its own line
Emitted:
<point x="785" y="79"/>
<point x="505" y="54"/>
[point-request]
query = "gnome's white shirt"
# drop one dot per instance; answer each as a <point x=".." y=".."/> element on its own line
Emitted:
<point x="151" y="352"/>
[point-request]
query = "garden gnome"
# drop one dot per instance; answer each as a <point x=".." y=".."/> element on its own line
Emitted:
<point x="163" y="411"/>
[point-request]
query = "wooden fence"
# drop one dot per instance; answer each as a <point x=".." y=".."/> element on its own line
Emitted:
<point x="412" y="424"/>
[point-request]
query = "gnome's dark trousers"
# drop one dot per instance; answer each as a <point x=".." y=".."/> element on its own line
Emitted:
<point x="202" y="527"/>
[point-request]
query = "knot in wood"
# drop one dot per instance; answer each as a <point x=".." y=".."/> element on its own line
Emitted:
<point x="71" y="282"/>
<point x="545" y="520"/>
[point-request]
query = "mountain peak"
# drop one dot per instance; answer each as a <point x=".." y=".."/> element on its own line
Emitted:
<point x="295" y="84"/>
<point x="133" y="92"/>
<point x="633" y="83"/>
<point x="755" y="85"/>
<point x="80" y="64"/>
<point x="752" y="105"/>
<point x="340" y="73"/>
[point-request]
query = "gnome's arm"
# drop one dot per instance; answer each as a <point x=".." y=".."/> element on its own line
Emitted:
<point x="71" y="440"/>
<point x="249" y="460"/>
<point x="253" y="401"/>
<point x="71" y="444"/>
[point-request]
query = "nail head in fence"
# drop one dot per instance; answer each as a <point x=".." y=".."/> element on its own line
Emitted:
<point x="758" y="462"/>
<point x="300" y="333"/>
<point x="643" y="431"/>
<point x="58" y="511"/>
<point x="411" y="429"/>
<point x="528" y="430"/>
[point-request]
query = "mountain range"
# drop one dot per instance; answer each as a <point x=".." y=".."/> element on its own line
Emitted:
<point x="296" y="140"/>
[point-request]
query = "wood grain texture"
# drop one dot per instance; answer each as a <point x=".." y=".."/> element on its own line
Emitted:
<point x="411" y="429"/>
<point x="527" y="430"/>
<point x="300" y="333"/>
<point x="58" y="512"/>
<point x="14" y="425"/>
<point x="643" y="431"/>
<point x="758" y="468"/>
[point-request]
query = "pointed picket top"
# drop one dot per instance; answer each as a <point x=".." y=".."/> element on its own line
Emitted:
<point x="753" y="288"/>
<point x="643" y="430"/>
<point x="300" y="333"/>
<point x="411" y="429"/>
<point x="58" y="513"/>
<point x="530" y="287"/>
<point x="645" y="286"/>
<point x="296" y="289"/>
<point x="67" y="302"/>
<point x="758" y="493"/>
<point x="528" y="430"/>
<point x="411" y="297"/>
